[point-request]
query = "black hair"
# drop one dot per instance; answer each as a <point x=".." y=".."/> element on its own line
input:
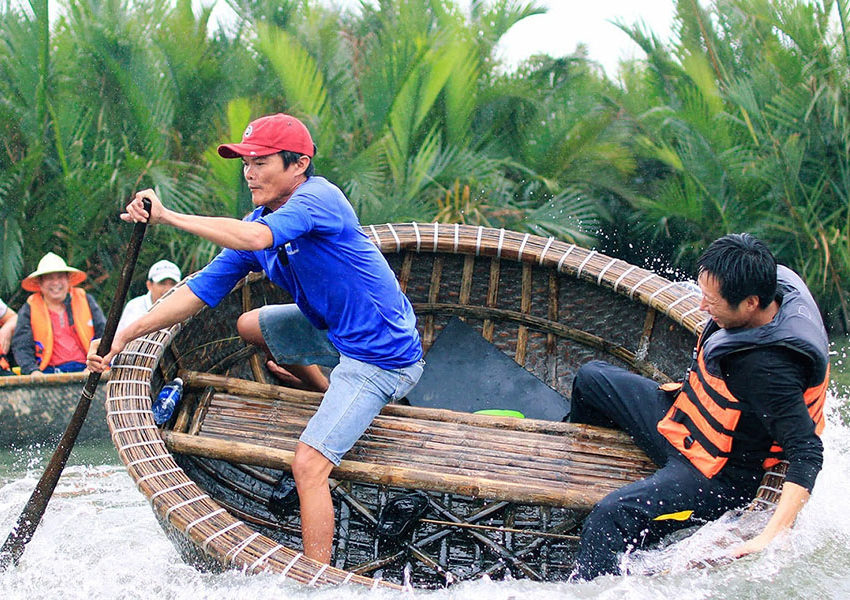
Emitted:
<point x="743" y="265"/>
<point x="292" y="157"/>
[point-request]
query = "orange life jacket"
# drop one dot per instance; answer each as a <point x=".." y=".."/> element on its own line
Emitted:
<point x="4" y="364"/>
<point x="42" y="330"/>
<point x="701" y="423"/>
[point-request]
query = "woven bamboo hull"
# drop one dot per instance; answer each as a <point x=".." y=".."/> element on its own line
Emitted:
<point x="37" y="411"/>
<point x="506" y="495"/>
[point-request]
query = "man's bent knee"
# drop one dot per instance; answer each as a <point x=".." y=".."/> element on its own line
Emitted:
<point x="310" y="467"/>
<point x="248" y="327"/>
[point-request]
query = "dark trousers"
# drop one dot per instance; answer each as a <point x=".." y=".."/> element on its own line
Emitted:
<point x="675" y="496"/>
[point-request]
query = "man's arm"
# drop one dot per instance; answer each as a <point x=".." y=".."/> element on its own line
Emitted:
<point x="177" y="307"/>
<point x="774" y="380"/>
<point x="8" y="321"/>
<point x="23" y="346"/>
<point x="222" y="231"/>
<point x="97" y="316"/>
<point x="793" y="498"/>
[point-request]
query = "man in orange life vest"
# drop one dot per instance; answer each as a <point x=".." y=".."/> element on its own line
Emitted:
<point x="57" y="322"/>
<point x="753" y="394"/>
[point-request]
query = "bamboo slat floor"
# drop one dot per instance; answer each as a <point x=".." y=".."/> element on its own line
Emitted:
<point x="553" y="468"/>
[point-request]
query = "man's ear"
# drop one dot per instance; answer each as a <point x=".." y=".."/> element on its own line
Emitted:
<point x="751" y="303"/>
<point x="303" y="162"/>
<point x="149" y="283"/>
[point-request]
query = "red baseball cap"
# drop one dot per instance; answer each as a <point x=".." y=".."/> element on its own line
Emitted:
<point x="269" y="135"/>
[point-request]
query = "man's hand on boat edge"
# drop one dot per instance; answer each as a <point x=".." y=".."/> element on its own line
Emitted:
<point x="792" y="500"/>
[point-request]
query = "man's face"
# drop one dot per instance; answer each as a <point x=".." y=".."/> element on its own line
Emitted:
<point x="157" y="289"/>
<point x="54" y="286"/>
<point x="271" y="185"/>
<point x="723" y="313"/>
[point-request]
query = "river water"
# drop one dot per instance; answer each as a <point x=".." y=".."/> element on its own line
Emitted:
<point x="99" y="539"/>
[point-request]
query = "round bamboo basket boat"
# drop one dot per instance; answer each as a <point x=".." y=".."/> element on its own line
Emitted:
<point x="505" y="496"/>
<point x="37" y="410"/>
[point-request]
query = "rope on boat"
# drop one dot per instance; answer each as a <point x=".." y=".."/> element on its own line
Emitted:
<point x="203" y="518"/>
<point x="220" y="532"/>
<point x="260" y="560"/>
<point x="291" y="564"/>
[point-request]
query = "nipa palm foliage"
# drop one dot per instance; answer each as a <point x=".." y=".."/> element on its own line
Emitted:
<point x="749" y="111"/>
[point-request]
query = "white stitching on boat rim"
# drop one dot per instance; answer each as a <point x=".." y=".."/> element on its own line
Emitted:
<point x="436" y="235"/>
<point x="376" y="240"/>
<point x="418" y="238"/>
<point x="395" y="237"/>
<point x="264" y="557"/>
<point x="590" y="255"/>
<point x="171" y="509"/>
<point x="501" y="240"/>
<point x="291" y="563"/>
<point x="640" y="283"/>
<point x="139" y="444"/>
<point x="478" y="240"/>
<point x="522" y="246"/>
<point x="347" y="578"/>
<point x="157" y="474"/>
<point x="220" y="532"/>
<point x="135" y="411"/>
<point x="680" y="299"/>
<point x="204" y="518"/>
<point x="241" y="546"/>
<point x="146" y="459"/>
<point x="688" y="313"/>
<point x="171" y="489"/>
<point x="457" y="237"/>
<point x="623" y="276"/>
<point x="605" y="270"/>
<point x="564" y="257"/>
<point x="317" y="575"/>
<point x="661" y="290"/>
<point x="123" y="429"/>
<point x="137" y="353"/>
<point x="546" y="249"/>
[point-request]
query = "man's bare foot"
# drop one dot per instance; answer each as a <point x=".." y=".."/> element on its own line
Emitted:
<point x="283" y="376"/>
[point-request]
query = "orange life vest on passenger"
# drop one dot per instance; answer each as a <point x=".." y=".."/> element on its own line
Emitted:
<point x="42" y="331"/>
<point x="701" y="423"/>
<point x="4" y="364"/>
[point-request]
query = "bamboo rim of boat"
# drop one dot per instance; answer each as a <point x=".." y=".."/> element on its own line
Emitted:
<point x="182" y="505"/>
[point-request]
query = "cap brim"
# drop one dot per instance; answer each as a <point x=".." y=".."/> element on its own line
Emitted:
<point x="240" y="150"/>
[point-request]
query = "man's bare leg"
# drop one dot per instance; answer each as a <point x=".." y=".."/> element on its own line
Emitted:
<point x="311" y="470"/>
<point x="308" y="377"/>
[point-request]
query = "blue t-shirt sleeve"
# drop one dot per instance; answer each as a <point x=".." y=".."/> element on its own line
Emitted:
<point x="303" y="213"/>
<point x="215" y="280"/>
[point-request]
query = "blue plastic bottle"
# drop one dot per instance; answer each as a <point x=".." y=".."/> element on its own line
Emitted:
<point x="168" y="399"/>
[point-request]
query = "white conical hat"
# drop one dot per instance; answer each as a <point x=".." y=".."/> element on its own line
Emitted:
<point x="52" y="263"/>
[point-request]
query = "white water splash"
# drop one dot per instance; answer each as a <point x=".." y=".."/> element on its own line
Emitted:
<point x="99" y="539"/>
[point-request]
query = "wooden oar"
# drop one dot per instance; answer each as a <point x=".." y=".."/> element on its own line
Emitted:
<point x="31" y="516"/>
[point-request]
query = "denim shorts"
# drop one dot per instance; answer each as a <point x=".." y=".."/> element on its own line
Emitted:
<point x="357" y="392"/>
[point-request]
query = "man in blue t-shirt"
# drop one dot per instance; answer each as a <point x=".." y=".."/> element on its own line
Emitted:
<point x="349" y="313"/>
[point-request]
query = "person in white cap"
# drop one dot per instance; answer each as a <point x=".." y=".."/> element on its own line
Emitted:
<point x="162" y="276"/>
<point x="57" y="322"/>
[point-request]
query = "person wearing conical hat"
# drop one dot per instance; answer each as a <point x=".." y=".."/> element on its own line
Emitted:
<point x="57" y="322"/>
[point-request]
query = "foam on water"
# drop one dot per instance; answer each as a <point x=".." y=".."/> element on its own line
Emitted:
<point x="99" y="539"/>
